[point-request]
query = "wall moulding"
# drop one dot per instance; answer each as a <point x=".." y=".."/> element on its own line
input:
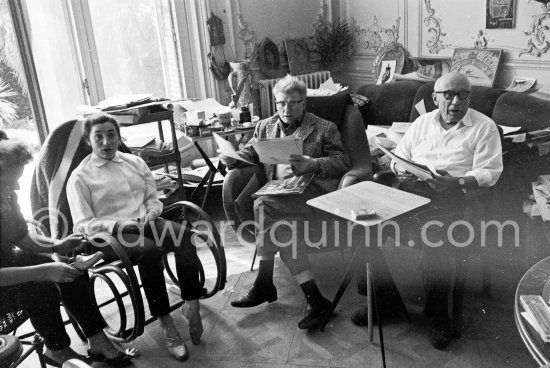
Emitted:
<point x="433" y="27"/>
<point x="537" y="44"/>
<point x="245" y="35"/>
<point x="370" y="38"/>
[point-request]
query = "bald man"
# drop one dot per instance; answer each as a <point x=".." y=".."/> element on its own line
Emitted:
<point x="462" y="147"/>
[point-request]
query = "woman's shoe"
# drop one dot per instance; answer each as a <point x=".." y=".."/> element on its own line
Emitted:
<point x="55" y="363"/>
<point x="131" y="351"/>
<point x="176" y="347"/>
<point x="120" y="360"/>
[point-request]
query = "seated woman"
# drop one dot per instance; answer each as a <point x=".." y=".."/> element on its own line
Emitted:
<point x="31" y="280"/>
<point x="115" y="193"/>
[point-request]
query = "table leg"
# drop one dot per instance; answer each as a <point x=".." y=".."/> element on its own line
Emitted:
<point x="376" y="307"/>
<point x="348" y="275"/>
<point x="209" y="177"/>
<point x="369" y="302"/>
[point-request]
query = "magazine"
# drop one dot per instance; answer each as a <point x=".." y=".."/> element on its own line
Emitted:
<point x="421" y="171"/>
<point x="286" y="186"/>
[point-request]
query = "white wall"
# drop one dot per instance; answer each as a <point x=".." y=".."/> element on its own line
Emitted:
<point x="453" y="24"/>
<point x="276" y="19"/>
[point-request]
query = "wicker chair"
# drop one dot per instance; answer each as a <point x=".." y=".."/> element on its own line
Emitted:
<point x="11" y="346"/>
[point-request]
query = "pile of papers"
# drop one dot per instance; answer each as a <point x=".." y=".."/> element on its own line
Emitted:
<point x="166" y="183"/>
<point x="210" y="107"/>
<point x="196" y="175"/>
<point x="541" y="195"/>
<point x="537" y="138"/>
<point x="537" y="314"/>
<point x="327" y="88"/>
<point x="521" y="84"/>
<point x="388" y="136"/>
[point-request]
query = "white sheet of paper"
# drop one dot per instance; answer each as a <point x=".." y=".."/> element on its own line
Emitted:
<point x="278" y="150"/>
<point x="518" y="138"/>
<point x="388" y="66"/>
<point x="374" y="130"/>
<point x="227" y="149"/>
<point x="420" y="107"/>
<point x="400" y="127"/>
<point x="508" y="129"/>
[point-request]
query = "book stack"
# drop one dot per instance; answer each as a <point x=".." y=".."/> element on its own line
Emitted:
<point x="537" y="314"/>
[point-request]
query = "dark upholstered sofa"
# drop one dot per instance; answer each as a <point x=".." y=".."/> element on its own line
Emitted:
<point x="395" y="102"/>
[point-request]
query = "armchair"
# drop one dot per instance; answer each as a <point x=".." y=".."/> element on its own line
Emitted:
<point x="63" y="151"/>
<point x="337" y="108"/>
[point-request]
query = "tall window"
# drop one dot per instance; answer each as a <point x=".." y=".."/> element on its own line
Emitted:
<point x="135" y="47"/>
<point x="86" y="51"/>
<point x="16" y="116"/>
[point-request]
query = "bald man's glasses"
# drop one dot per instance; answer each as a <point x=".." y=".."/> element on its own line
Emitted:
<point x="449" y="95"/>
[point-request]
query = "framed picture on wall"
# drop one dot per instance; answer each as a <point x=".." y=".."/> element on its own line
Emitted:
<point x="500" y="14"/>
<point x="298" y="56"/>
<point x="479" y="65"/>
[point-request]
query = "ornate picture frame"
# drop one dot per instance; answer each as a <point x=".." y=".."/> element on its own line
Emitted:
<point x="297" y="53"/>
<point x="270" y="60"/>
<point x="479" y="65"/>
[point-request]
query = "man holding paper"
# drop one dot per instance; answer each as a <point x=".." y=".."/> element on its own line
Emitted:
<point x="323" y="156"/>
<point x="462" y="148"/>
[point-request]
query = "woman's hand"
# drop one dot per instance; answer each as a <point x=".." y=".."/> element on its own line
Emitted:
<point x="72" y="243"/>
<point x="148" y="220"/>
<point x="60" y="272"/>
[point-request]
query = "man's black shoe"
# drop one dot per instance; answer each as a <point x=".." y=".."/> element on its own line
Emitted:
<point x="440" y="333"/>
<point x="314" y="316"/>
<point x="360" y="317"/>
<point x="389" y="311"/>
<point x="256" y="296"/>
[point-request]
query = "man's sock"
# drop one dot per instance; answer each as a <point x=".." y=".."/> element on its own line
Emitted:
<point x="265" y="273"/>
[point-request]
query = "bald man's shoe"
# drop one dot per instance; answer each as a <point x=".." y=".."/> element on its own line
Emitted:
<point x="256" y="296"/>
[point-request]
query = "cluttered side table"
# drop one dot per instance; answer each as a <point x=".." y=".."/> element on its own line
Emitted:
<point x="536" y="281"/>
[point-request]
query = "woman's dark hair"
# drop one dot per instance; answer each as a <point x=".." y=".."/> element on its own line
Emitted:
<point x="3" y="135"/>
<point x="13" y="153"/>
<point x="96" y="119"/>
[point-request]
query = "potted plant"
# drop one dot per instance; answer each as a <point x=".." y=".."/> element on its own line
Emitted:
<point x="333" y="41"/>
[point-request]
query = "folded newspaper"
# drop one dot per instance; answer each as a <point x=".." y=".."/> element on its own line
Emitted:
<point x="287" y="186"/>
<point x="421" y="171"/>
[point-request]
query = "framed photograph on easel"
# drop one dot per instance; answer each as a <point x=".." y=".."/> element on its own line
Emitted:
<point x="479" y="65"/>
